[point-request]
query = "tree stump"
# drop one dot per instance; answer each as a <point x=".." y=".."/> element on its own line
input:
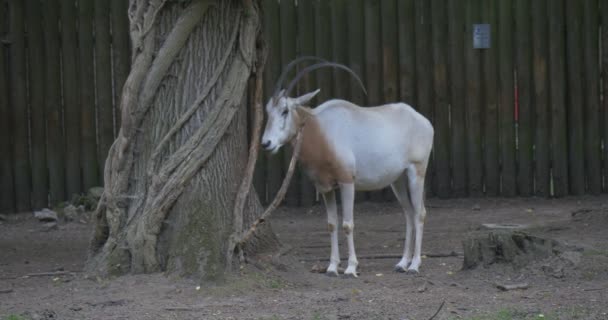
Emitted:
<point x="506" y="246"/>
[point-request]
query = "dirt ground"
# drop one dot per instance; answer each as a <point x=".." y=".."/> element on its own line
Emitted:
<point x="558" y="288"/>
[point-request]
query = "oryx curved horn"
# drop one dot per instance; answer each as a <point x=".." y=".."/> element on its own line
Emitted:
<point x="288" y="68"/>
<point x="321" y="65"/>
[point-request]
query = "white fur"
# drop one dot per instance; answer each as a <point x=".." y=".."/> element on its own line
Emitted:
<point x="381" y="146"/>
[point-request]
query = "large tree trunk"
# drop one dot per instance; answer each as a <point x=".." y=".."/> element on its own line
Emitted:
<point x="172" y="175"/>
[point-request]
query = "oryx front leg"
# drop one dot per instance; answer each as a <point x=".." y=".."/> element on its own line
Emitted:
<point x="416" y="175"/>
<point x="332" y="223"/>
<point x="347" y="193"/>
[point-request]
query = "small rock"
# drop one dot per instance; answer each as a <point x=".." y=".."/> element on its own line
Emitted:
<point x="476" y="207"/>
<point x="3" y="217"/>
<point x="49" y="226"/>
<point x="572" y="257"/>
<point x="72" y="213"/>
<point x="515" y="286"/>
<point x="96" y="193"/>
<point x="46" y="215"/>
<point x="422" y="288"/>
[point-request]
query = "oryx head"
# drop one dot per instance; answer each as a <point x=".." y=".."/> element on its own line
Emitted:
<point x="282" y="124"/>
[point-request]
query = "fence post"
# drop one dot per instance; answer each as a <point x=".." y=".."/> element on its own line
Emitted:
<point x="7" y="191"/>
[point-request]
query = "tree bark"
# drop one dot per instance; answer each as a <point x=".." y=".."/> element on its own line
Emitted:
<point x="171" y="176"/>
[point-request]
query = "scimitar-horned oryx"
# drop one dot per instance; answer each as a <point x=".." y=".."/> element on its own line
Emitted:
<point x="348" y="147"/>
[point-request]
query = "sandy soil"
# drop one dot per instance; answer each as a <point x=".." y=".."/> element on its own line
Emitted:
<point x="285" y="288"/>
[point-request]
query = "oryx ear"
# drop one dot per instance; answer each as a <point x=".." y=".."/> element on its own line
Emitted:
<point x="305" y="98"/>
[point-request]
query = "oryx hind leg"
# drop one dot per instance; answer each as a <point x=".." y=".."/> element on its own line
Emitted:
<point x="416" y="175"/>
<point x="400" y="189"/>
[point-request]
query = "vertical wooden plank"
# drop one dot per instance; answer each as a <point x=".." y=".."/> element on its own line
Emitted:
<point x="52" y="100"/>
<point x="457" y="82"/>
<point x="592" y="96"/>
<point x="525" y="130"/>
<point x="339" y="51"/>
<point x="473" y="100"/>
<point x="323" y="49"/>
<point x="356" y="49"/>
<point x="90" y="169"/>
<point x="271" y="75"/>
<point x="490" y="105"/>
<point x="71" y="97"/>
<point x="506" y="89"/>
<point x="441" y="104"/>
<point x="21" y="157"/>
<point x="604" y="20"/>
<point x="373" y="63"/>
<point x="575" y="108"/>
<point x="390" y="51"/>
<point x="121" y="52"/>
<point x="7" y="190"/>
<point x="406" y="17"/>
<point x="540" y="54"/>
<point x="557" y="74"/>
<point x="35" y="44"/>
<point x="425" y="78"/>
<point x="288" y="53"/>
<point x="103" y="82"/>
<point x="307" y="84"/>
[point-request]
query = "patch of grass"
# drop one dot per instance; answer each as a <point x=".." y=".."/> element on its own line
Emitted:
<point x="15" y="317"/>
<point x="317" y="316"/>
<point x="509" y="314"/>
<point x="595" y="252"/>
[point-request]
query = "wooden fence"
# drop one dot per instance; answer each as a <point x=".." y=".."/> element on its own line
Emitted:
<point x="523" y="117"/>
<point x="62" y="63"/>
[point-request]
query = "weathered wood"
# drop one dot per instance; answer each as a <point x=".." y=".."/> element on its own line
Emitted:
<point x="373" y="63"/>
<point x="71" y="97"/>
<point x="557" y="74"/>
<point x="288" y="53"/>
<point x="424" y="63"/>
<point x="591" y="95"/>
<point x="307" y="47"/>
<point x="542" y="116"/>
<point x="355" y="47"/>
<point x="406" y="17"/>
<point x="21" y="156"/>
<point x="525" y="90"/>
<point x="339" y="50"/>
<point x="604" y="40"/>
<point x="35" y="44"/>
<point x="103" y="82"/>
<point x="576" y="143"/>
<point x="441" y="146"/>
<point x="506" y="93"/>
<point x="515" y="247"/>
<point x="121" y="52"/>
<point x="457" y="80"/>
<point x="490" y="105"/>
<point x="390" y="50"/>
<point x="271" y="75"/>
<point x="7" y="191"/>
<point x="90" y="169"/>
<point x="52" y="101"/>
<point x="473" y="102"/>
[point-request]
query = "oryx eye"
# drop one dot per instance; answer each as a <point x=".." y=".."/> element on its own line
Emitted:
<point x="284" y="113"/>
